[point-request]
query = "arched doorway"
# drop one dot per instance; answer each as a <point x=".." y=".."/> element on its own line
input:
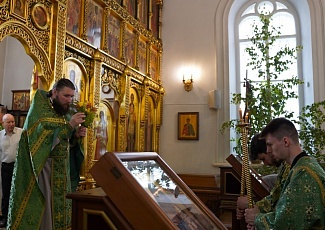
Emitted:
<point x="16" y="69"/>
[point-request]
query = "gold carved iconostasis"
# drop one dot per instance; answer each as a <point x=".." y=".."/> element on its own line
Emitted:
<point x="111" y="50"/>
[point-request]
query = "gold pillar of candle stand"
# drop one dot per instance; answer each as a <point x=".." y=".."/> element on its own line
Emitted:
<point x="243" y="172"/>
<point x="246" y="185"/>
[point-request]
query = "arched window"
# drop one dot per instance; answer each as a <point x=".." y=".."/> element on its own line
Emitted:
<point x="283" y="19"/>
<point x="284" y="15"/>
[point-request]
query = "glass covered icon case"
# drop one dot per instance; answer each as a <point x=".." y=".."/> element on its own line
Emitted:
<point x="149" y="193"/>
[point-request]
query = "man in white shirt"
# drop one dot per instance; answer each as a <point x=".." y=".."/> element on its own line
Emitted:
<point x="9" y="140"/>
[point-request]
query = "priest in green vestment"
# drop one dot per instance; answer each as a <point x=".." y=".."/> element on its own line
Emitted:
<point x="302" y="200"/>
<point x="48" y="162"/>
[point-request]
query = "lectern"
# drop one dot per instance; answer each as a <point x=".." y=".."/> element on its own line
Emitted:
<point x="230" y="177"/>
<point x="149" y="194"/>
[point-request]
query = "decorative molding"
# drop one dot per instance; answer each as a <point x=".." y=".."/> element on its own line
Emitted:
<point x="30" y="42"/>
<point x="79" y="45"/>
<point x="122" y="13"/>
<point x="86" y="62"/>
<point x="40" y="16"/>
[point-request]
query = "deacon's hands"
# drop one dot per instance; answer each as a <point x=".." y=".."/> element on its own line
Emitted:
<point x="250" y="214"/>
<point x="242" y="202"/>
<point x="240" y="213"/>
<point x="77" y="119"/>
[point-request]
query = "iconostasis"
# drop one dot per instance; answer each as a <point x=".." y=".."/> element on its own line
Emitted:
<point x="111" y="50"/>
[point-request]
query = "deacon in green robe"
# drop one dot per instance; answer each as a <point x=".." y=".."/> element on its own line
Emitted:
<point x="48" y="162"/>
<point x="302" y="200"/>
<point x="267" y="204"/>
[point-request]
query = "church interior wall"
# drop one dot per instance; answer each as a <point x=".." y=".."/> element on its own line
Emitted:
<point x="189" y="42"/>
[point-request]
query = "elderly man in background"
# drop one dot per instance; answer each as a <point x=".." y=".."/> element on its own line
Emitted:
<point x="9" y="140"/>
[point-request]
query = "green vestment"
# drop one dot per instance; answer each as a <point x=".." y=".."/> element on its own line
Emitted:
<point x="302" y="200"/>
<point x="46" y="135"/>
<point x="267" y="204"/>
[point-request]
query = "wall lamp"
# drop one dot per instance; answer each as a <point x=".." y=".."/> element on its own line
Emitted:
<point x="188" y="84"/>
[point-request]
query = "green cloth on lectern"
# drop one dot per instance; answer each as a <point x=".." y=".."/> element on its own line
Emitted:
<point x="267" y="204"/>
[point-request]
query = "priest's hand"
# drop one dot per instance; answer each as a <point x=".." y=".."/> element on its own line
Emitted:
<point x="77" y="119"/>
<point x="81" y="132"/>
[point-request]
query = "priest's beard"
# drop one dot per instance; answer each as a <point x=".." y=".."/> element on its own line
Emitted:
<point x="59" y="108"/>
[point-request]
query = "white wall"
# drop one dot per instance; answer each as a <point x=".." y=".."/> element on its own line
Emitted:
<point x="188" y="39"/>
<point x="18" y="69"/>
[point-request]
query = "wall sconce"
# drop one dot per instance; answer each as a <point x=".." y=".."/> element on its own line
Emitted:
<point x="188" y="84"/>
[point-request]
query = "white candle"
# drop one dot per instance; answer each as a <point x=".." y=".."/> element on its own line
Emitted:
<point x="246" y="118"/>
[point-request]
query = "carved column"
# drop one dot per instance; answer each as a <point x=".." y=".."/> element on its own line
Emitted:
<point x="94" y="97"/>
<point x="148" y="58"/>
<point x="84" y="27"/>
<point x="59" y="41"/>
<point x="137" y="54"/>
<point x="122" y="51"/>
<point x="160" y="5"/>
<point x="106" y="13"/>
<point x="145" y="102"/>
